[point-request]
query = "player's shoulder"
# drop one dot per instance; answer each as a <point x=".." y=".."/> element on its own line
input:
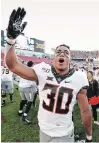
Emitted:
<point x="80" y="75"/>
<point x="80" y="79"/>
<point x="42" y="66"/>
<point x="45" y="66"/>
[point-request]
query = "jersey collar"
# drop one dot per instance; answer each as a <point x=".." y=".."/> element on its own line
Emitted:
<point x="59" y="77"/>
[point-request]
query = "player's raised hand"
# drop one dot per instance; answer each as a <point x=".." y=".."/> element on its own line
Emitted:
<point x="15" y="26"/>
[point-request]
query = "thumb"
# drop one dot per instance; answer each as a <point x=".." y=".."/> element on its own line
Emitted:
<point x="23" y="26"/>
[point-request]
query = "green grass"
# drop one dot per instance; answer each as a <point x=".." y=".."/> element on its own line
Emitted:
<point x="79" y="129"/>
<point x="14" y="130"/>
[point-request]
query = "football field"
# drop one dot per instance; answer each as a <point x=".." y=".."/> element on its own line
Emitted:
<point x="15" y="130"/>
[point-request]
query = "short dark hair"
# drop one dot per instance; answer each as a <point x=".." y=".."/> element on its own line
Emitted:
<point x="62" y="45"/>
<point x="91" y="72"/>
<point x="30" y="63"/>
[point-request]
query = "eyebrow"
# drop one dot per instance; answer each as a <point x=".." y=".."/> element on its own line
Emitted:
<point x="66" y="51"/>
<point x="58" y="50"/>
<point x="61" y="50"/>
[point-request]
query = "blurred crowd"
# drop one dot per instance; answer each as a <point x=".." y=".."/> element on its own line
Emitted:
<point x="84" y="54"/>
<point x="74" y="54"/>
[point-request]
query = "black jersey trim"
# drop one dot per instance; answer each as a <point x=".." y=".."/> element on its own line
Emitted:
<point x="62" y="77"/>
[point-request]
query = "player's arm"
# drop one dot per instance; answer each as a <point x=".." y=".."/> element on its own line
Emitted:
<point x="86" y="114"/>
<point x="15" y="28"/>
<point x="17" y="67"/>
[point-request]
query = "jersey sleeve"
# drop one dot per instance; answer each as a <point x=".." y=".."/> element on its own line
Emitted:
<point x="83" y="81"/>
<point x="38" y="70"/>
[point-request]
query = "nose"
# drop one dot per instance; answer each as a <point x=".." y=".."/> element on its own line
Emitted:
<point x="62" y="54"/>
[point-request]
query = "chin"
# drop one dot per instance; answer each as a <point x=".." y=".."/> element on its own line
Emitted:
<point x="61" y="69"/>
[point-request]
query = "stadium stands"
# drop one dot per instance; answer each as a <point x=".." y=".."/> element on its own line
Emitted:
<point x="77" y="56"/>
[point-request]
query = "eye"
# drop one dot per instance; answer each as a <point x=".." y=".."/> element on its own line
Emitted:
<point x="66" y="52"/>
<point x="57" y="52"/>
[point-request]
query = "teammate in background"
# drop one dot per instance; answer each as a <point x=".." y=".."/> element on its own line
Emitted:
<point x="59" y="87"/>
<point x="27" y="90"/>
<point x="6" y="84"/>
<point x="35" y="97"/>
<point x="76" y="68"/>
<point x="93" y="92"/>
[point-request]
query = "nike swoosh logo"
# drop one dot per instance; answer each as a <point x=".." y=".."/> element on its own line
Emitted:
<point x="67" y="81"/>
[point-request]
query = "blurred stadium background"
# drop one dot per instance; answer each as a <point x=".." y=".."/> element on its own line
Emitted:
<point x="34" y="49"/>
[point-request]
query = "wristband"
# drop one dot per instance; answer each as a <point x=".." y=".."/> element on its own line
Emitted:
<point x="10" y="41"/>
<point x="10" y="44"/>
<point x="88" y="138"/>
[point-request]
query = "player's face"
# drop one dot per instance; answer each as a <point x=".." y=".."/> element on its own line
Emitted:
<point x="62" y="58"/>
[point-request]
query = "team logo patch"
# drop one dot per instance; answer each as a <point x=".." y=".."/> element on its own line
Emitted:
<point x="59" y="79"/>
<point x="67" y="81"/>
<point x="49" y="78"/>
<point x="46" y="70"/>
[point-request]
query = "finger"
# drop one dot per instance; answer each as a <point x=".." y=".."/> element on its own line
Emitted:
<point x="12" y="16"/>
<point x="23" y="26"/>
<point x="23" y="13"/>
<point x="17" y="15"/>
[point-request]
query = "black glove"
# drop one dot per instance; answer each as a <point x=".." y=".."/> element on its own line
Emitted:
<point x="15" y="26"/>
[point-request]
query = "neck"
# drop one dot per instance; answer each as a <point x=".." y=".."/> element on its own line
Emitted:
<point x="90" y="79"/>
<point x="62" y="72"/>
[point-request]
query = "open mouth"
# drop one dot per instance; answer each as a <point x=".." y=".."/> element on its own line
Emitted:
<point x="61" y="60"/>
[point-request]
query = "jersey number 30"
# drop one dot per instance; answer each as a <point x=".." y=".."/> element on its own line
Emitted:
<point x="51" y="97"/>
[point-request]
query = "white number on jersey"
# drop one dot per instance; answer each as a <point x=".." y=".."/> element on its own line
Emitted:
<point x="59" y="99"/>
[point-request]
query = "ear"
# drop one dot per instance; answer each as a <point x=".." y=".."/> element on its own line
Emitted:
<point x="53" y="61"/>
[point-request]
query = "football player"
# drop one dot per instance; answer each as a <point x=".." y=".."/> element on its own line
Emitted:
<point x="35" y="97"/>
<point x="59" y="87"/>
<point x="27" y="89"/>
<point x="76" y="67"/>
<point x="6" y="84"/>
